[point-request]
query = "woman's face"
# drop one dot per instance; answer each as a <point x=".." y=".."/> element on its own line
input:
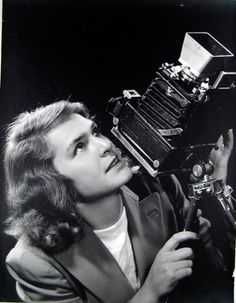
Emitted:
<point x="87" y="158"/>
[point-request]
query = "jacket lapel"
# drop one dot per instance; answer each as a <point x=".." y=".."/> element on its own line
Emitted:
<point x="146" y="228"/>
<point x="93" y="265"/>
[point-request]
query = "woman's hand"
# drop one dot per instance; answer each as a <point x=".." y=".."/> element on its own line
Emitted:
<point x="171" y="265"/>
<point x="220" y="155"/>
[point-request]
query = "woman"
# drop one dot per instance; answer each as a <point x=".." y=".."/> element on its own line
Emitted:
<point x="83" y="236"/>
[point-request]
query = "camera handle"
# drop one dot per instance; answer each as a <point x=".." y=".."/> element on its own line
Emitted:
<point x="206" y="187"/>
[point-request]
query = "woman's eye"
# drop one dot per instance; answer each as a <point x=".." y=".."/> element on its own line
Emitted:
<point x="80" y="147"/>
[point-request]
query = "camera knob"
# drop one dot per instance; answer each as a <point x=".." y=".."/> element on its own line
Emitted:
<point x="201" y="169"/>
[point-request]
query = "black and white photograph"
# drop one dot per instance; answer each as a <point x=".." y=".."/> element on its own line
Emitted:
<point x="118" y="156"/>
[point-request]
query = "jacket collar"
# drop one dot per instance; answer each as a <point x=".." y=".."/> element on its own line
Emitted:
<point x="94" y="266"/>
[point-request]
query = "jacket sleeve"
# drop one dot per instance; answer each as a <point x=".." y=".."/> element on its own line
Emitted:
<point x="37" y="280"/>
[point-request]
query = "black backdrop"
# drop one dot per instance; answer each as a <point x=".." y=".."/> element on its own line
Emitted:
<point x="90" y="50"/>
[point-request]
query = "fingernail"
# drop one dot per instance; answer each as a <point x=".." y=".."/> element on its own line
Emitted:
<point x="135" y="168"/>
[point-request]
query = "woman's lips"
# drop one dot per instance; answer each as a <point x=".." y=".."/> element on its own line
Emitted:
<point x="113" y="163"/>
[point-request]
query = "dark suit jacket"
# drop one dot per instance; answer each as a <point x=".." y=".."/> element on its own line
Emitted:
<point x="151" y="222"/>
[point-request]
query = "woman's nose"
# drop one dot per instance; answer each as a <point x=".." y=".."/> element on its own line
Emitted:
<point x="105" y="146"/>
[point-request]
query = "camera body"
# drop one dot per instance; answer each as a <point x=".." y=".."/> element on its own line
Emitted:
<point x="153" y="126"/>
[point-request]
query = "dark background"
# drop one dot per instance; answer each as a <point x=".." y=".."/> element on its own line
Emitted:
<point x="90" y="50"/>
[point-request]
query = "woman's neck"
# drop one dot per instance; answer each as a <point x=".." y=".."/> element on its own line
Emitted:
<point x="103" y="212"/>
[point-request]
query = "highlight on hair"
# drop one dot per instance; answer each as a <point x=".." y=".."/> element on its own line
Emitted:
<point x="41" y="201"/>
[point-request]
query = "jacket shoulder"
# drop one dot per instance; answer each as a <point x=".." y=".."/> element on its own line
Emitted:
<point x="36" y="277"/>
<point x="26" y="258"/>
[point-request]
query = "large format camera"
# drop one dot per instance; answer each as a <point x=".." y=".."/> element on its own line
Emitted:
<point x="153" y="126"/>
